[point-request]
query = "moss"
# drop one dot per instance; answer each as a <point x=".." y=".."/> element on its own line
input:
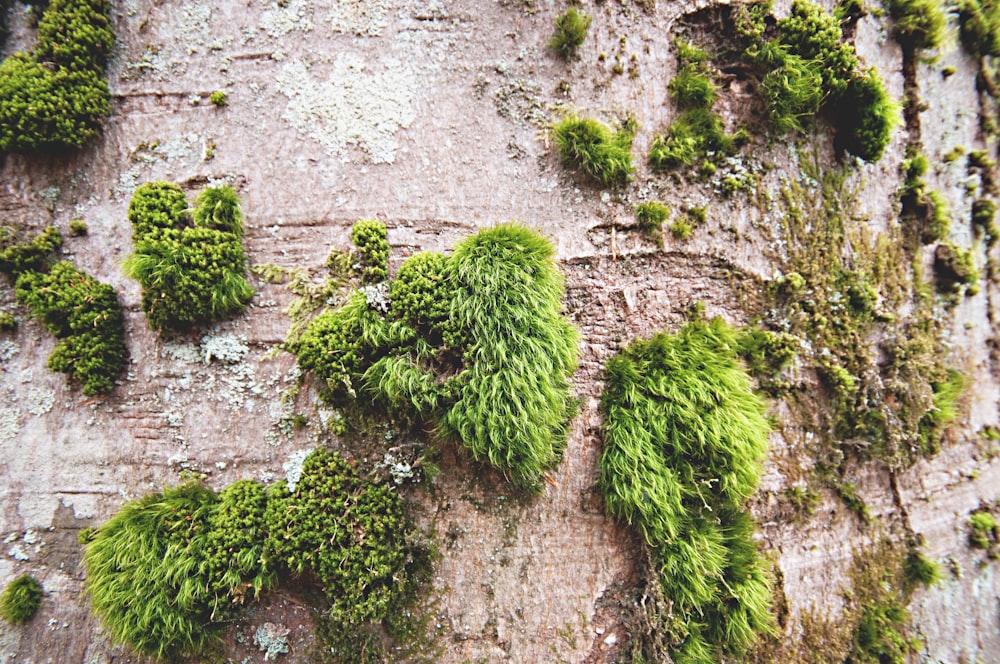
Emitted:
<point x="692" y="88"/>
<point x="793" y="93"/>
<point x="77" y="228"/>
<point x="955" y="267"/>
<point x="571" y="30"/>
<point x="983" y="219"/>
<point x="680" y="417"/>
<point x="17" y="257"/>
<point x="219" y="98"/>
<point x="369" y="236"/>
<point x="923" y="211"/>
<point x="190" y="263"/>
<point x="681" y="228"/>
<point x="472" y="344"/>
<point x="689" y="139"/>
<point x="56" y="97"/>
<point x="651" y="216"/>
<point x="154" y="548"/>
<point x="979" y="26"/>
<point x="7" y="322"/>
<point x="984" y="532"/>
<point x="85" y="316"/>
<point x="919" y="24"/>
<point x="593" y="148"/>
<point x="919" y="569"/>
<point x="20" y="599"/>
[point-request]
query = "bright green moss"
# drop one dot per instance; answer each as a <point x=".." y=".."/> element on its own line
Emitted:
<point x="979" y="26"/>
<point x="85" y="316"/>
<point x="219" y="98"/>
<point x="591" y="147"/>
<point x="56" y="97"/>
<point x="955" y="267"/>
<point x="680" y="417"/>
<point x="651" y="216"/>
<point x="983" y="529"/>
<point x="147" y="575"/>
<point x="473" y="344"/>
<point x="692" y="88"/>
<point x="20" y="599"/>
<point x="866" y="116"/>
<point x="793" y="92"/>
<point x="696" y="132"/>
<point x="919" y="569"/>
<point x="190" y="274"/>
<point x="571" y="30"/>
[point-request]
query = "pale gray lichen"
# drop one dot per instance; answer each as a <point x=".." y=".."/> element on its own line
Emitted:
<point x="272" y="640"/>
<point x="293" y="467"/>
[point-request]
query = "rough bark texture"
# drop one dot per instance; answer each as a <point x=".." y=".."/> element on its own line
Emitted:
<point x="430" y="115"/>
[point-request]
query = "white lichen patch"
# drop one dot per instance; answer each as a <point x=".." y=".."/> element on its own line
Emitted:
<point x="359" y="103"/>
<point x="39" y="400"/>
<point x="359" y="17"/>
<point x="293" y="467"/>
<point x="279" y="20"/>
<point x="8" y="349"/>
<point x="227" y="348"/>
<point x="10" y="423"/>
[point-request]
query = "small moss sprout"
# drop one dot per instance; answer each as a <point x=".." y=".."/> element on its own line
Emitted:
<point x="20" y="599"/>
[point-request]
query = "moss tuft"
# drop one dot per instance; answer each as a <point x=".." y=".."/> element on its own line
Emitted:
<point x="571" y="30"/>
<point x="20" y="599"/>
<point x="919" y="24"/>
<point x="593" y="148"/>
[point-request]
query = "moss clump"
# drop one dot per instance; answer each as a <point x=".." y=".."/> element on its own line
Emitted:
<point x="571" y="30"/>
<point x="919" y="569"/>
<point x="80" y="311"/>
<point x="593" y="148"/>
<point x="808" y="69"/>
<point x="20" y="599"/>
<point x="219" y="98"/>
<point x="651" y="216"/>
<point x="56" y="97"/>
<point x="77" y="228"/>
<point x="924" y="211"/>
<point x="369" y="236"/>
<point x="472" y="344"/>
<point x="919" y="24"/>
<point x="7" y="322"/>
<point x="983" y="219"/>
<point x="684" y="441"/>
<point x="85" y="316"/>
<point x="979" y="26"/>
<point x="190" y="263"/>
<point x="692" y="88"/>
<point x="146" y="572"/>
<point x="984" y="532"/>
<point x="955" y="268"/>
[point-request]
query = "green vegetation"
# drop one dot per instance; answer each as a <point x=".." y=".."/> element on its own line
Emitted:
<point x="919" y="24"/>
<point x="191" y="273"/>
<point x="593" y="148"/>
<point x="77" y="228"/>
<point x="651" y="216"/>
<point x="979" y="26"/>
<point x="219" y="98"/>
<point x="369" y="236"/>
<point x="571" y="30"/>
<point x="685" y="438"/>
<point x="472" y="344"/>
<point x="168" y="571"/>
<point x="56" y="97"/>
<point x="919" y="569"/>
<point x="808" y="69"/>
<point x="7" y="322"/>
<point x="924" y="212"/>
<point x="80" y="311"/>
<point x="20" y="599"/>
<point x="692" y="88"/>
<point x="984" y="213"/>
<point x="955" y="269"/>
<point x="984" y="532"/>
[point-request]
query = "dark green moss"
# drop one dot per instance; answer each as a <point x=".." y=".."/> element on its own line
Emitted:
<point x="56" y="97"/>
<point x="955" y="268"/>
<point x="190" y="263"/>
<point x="979" y="26"/>
<point x="369" y="236"/>
<point x="20" y="599"/>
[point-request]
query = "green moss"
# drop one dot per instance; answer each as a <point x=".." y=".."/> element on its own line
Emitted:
<point x="593" y="148"/>
<point x="20" y="599"/>
<point x="984" y="532"/>
<point x="56" y="97"/>
<point x="692" y="88"/>
<point x="77" y="228"/>
<point x="219" y="98"/>
<point x="7" y="322"/>
<point x="651" y="216"/>
<point x="85" y="316"/>
<point x="793" y="92"/>
<point x="943" y="411"/>
<point x="571" y="30"/>
<point x="472" y="344"/>
<point x="190" y="263"/>
<point x="919" y="24"/>
<point x="681" y="228"/>
<point x="955" y="267"/>
<point x="979" y="26"/>
<point x="154" y="549"/>
<point x="369" y="236"/>
<point x="866" y="116"/>
<point x="919" y="569"/>
<point x="924" y="211"/>
<point x="983" y="219"/>
<point x="679" y="418"/>
<point x="689" y="139"/>
<point x="18" y="256"/>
